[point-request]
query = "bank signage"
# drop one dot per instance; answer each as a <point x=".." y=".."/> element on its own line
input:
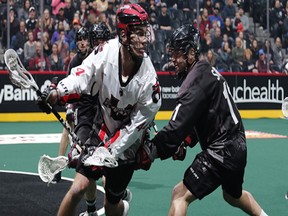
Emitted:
<point x="249" y="91"/>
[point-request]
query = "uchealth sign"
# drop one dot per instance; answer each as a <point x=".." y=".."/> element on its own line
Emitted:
<point x="250" y="91"/>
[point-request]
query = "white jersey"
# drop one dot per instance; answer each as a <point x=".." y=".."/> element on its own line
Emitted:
<point x="127" y="107"/>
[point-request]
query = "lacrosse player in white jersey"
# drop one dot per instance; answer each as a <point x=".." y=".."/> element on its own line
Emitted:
<point x="128" y="91"/>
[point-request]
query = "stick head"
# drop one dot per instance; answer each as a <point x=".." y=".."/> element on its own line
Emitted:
<point x="48" y="167"/>
<point x="18" y="75"/>
<point x="285" y="107"/>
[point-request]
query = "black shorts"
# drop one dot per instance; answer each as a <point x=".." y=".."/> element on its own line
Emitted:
<point x="206" y="174"/>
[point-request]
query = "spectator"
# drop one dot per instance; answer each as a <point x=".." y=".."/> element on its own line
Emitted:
<point x="111" y="16"/>
<point x="56" y="35"/>
<point x="277" y="16"/>
<point x="47" y="47"/>
<point x="154" y="22"/>
<point x="23" y="12"/>
<point x="56" y="6"/>
<point x="164" y="19"/>
<point x="249" y="63"/>
<point x="244" y="19"/>
<point x="211" y="57"/>
<point x="261" y="64"/>
<point x="216" y="15"/>
<point x="208" y="5"/>
<point x="63" y="45"/>
<point x="153" y="7"/>
<point x="29" y="48"/>
<point x="69" y="11"/>
<point x="166" y="64"/>
<point x="268" y="50"/>
<point x="48" y="22"/>
<point x="145" y="5"/>
<point x="14" y="22"/>
<point x="69" y="57"/>
<point x="37" y="34"/>
<point x="55" y="61"/>
<point x="83" y="12"/>
<point x="279" y="55"/>
<point x="92" y="9"/>
<point x="217" y="41"/>
<point x="228" y="30"/>
<point x="102" y="5"/>
<point x="213" y="28"/>
<point x="92" y="18"/>
<point x="255" y="50"/>
<point x="206" y="44"/>
<point x="36" y="62"/>
<point x="225" y="53"/>
<point x="31" y="21"/>
<point x="204" y="24"/>
<point x="285" y="29"/>
<point x="61" y="17"/>
<point x="243" y="40"/>
<point x="18" y="40"/>
<point x="229" y="10"/>
<point x="236" y="20"/>
<point x="238" y="52"/>
<point x="72" y="33"/>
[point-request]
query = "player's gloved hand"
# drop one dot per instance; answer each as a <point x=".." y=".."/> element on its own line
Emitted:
<point x="145" y="155"/>
<point x="73" y="156"/>
<point x="180" y="154"/>
<point x="70" y="112"/>
<point x="49" y="97"/>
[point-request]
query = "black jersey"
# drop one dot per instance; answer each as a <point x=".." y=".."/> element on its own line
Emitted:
<point x="205" y="110"/>
<point x="85" y="108"/>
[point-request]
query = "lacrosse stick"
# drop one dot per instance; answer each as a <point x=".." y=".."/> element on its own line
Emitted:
<point x="48" y="166"/>
<point x="20" y="77"/>
<point x="285" y="107"/>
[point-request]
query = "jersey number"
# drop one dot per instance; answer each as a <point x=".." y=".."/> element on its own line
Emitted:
<point x="226" y="93"/>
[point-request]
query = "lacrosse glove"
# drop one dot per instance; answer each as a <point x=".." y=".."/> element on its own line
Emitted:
<point x="70" y="112"/>
<point x="145" y="156"/>
<point x="73" y="156"/>
<point x="49" y="97"/>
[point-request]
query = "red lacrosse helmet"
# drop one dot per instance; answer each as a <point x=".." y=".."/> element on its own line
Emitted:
<point x="131" y="14"/>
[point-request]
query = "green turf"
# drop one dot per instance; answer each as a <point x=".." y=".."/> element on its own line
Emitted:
<point x="266" y="172"/>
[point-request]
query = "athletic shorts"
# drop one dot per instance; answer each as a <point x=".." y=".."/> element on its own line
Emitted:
<point x="206" y="174"/>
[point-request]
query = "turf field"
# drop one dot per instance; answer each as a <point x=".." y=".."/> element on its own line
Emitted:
<point x="266" y="173"/>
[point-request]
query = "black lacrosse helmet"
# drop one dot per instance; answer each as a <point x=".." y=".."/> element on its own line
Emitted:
<point x="184" y="38"/>
<point x="82" y="33"/>
<point x="99" y="31"/>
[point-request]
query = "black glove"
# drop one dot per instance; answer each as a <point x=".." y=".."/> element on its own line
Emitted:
<point x="145" y="155"/>
<point x="73" y="156"/>
<point x="70" y="112"/>
<point x="45" y="97"/>
<point x="180" y="154"/>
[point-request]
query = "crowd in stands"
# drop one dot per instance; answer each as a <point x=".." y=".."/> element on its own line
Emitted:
<point x="227" y="42"/>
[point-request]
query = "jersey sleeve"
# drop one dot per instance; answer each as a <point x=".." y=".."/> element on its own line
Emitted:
<point x="82" y="78"/>
<point x="141" y="117"/>
<point x="190" y="105"/>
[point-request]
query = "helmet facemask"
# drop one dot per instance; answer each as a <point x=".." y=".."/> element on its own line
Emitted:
<point x="184" y="44"/>
<point x="133" y="30"/>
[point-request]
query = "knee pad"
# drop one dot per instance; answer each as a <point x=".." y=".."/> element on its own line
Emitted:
<point x="113" y="197"/>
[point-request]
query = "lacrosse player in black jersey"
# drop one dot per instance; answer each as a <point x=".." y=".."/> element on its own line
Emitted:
<point x="205" y="113"/>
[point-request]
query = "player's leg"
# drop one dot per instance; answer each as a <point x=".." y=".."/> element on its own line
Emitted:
<point x="62" y="150"/>
<point x="117" y="180"/>
<point x="246" y="202"/>
<point x="181" y="198"/>
<point x="74" y="195"/>
<point x="90" y="197"/>
<point x="200" y="179"/>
